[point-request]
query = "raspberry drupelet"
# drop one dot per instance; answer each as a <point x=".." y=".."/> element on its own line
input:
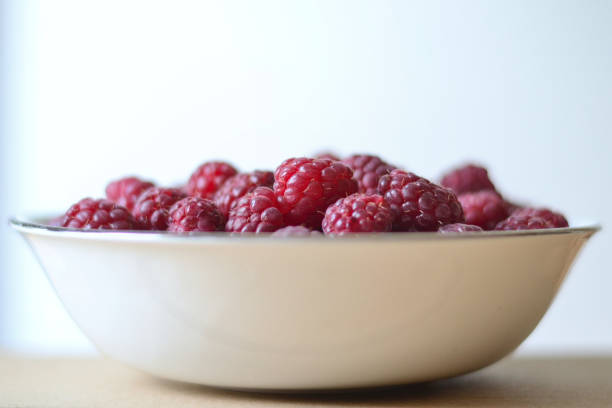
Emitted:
<point x="98" y="214"/>
<point x="208" y="178"/>
<point x="418" y="204"/>
<point x="367" y="170"/>
<point x="195" y="214"/>
<point x="240" y="184"/>
<point x="483" y="208"/>
<point x="256" y="211"/>
<point x="358" y="213"/>
<point x="467" y="179"/>
<point x="152" y="208"/>
<point x="126" y="191"/>
<point x="305" y="187"/>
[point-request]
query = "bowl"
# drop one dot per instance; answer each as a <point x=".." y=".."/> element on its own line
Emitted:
<point x="267" y="313"/>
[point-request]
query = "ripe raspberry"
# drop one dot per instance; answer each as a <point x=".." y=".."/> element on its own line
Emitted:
<point x="483" y="208"/>
<point x="207" y="178"/>
<point x="557" y="220"/>
<point x="98" y="214"/>
<point x="195" y="214"/>
<point x="358" y="213"/>
<point x="449" y="228"/>
<point x="327" y="155"/>
<point x="152" y="207"/>
<point x="525" y="222"/>
<point x="295" y="231"/>
<point x="126" y="191"/>
<point x="238" y="185"/>
<point x="367" y="170"/>
<point x="256" y="211"/>
<point x="467" y="179"/>
<point x="305" y="187"/>
<point x="418" y="204"/>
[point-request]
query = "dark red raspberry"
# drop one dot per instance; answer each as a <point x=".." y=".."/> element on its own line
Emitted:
<point x="327" y="155"/>
<point x="126" y="191"/>
<point x="295" y="231"/>
<point x="98" y="214"/>
<point x="556" y="219"/>
<point x="449" y="228"/>
<point x="358" y="213"/>
<point x="418" y="204"/>
<point x="207" y="178"/>
<point x="305" y="188"/>
<point x="256" y="211"/>
<point x="195" y="214"/>
<point x="152" y="207"/>
<point x="483" y="208"/>
<point x="367" y="170"/>
<point x="240" y="184"/>
<point x="468" y="179"/>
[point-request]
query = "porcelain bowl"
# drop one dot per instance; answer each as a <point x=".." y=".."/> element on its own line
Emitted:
<point x="272" y="313"/>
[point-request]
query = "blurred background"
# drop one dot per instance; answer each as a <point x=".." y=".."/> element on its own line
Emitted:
<point x="93" y="90"/>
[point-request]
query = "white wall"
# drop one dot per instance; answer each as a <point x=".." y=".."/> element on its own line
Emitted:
<point x="101" y="89"/>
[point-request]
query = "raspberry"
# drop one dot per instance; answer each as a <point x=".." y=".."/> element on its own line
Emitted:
<point x="152" y="207"/>
<point x="556" y="219"/>
<point x="418" y="204"/>
<point x="327" y="155"/>
<point x="467" y="179"/>
<point x="98" y="214"/>
<point x="238" y="185"/>
<point x="207" y="178"/>
<point x="256" y="211"/>
<point x="483" y="208"/>
<point x="195" y="214"/>
<point x="126" y="191"/>
<point x="305" y="188"/>
<point x="358" y="213"/>
<point x="367" y="170"/>
<point x="295" y="231"/>
<point x="459" y="228"/>
<point x="525" y="222"/>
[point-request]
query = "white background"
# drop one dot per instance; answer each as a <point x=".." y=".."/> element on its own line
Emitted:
<point x="93" y="90"/>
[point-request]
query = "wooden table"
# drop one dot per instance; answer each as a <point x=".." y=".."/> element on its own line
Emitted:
<point x="516" y="382"/>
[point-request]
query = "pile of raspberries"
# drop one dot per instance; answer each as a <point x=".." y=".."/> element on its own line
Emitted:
<point x="304" y="196"/>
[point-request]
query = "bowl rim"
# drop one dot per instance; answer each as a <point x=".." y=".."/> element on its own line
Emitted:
<point x="35" y="225"/>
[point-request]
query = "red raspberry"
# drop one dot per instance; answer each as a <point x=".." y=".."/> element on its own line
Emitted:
<point x="195" y="214"/>
<point x="483" y="208"/>
<point x="295" y="231"/>
<point x="256" y="211"/>
<point x="152" y="207"/>
<point x="556" y="220"/>
<point x="98" y="214"/>
<point x="126" y="191"/>
<point x="467" y="179"/>
<point x="525" y="222"/>
<point x="367" y="170"/>
<point x="240" y="184"/>
<point x="327" y="155"/>
<point x="305" y="188"/>
<point x="358" y="213"/>
<point x="459" y="228"/>
<point x="418" y="204"/>
<point x="207" y="178"/>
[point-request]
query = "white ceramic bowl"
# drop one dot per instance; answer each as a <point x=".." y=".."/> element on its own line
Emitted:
<point x="306" y="313"/>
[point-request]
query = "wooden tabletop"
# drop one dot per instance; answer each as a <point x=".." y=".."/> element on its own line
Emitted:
<point x="515" y="382"/>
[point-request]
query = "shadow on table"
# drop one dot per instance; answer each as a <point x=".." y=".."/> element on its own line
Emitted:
<point x="565" y="382"/>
